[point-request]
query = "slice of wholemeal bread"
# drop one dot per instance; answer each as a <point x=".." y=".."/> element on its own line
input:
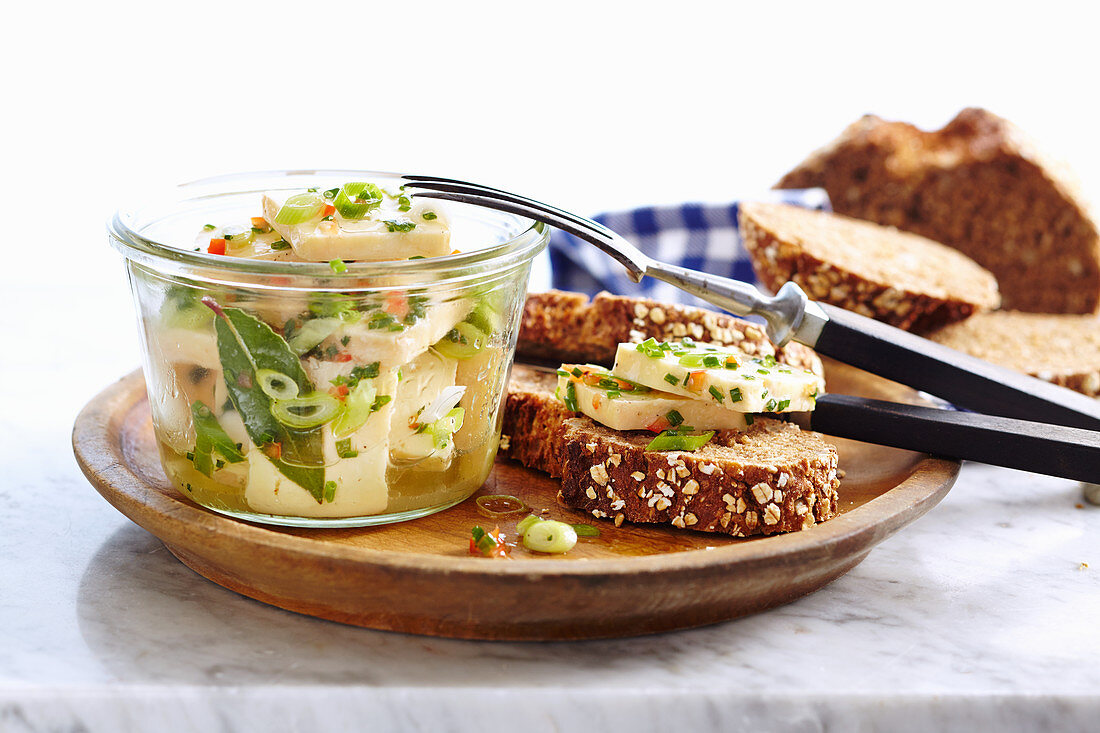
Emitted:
<point x="532" y="416"/>
<point x="770" y="478"/>
<point x="566" y="327"/>
<point x="903" y="279"/>
<point x="1063" y="349"/>
<point x="977" y="185"/>
<point x="553" y="326"/>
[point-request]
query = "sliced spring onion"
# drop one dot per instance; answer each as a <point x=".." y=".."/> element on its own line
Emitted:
<point x="461" y="342"/>
<point x="585" y="530"/>
<point x="313" y="332"/>
<point x="448" y="398"/>
<point x="428" y="215"/>
<point x="486" y="318"/>
<point x="356" y="200"/>
<point x="276" y="385"/>
<point x="338" y="266"/>
<point x="499" y="505"/>
<point x="442" y="429"/>
<point x="692" y="360"/>
<point x="676" y="440"/>
<point x="299" y="208"/>
<point x="357" y="408"/>
<point x="307" y="411"/>
<point x="526" y="523"/>
<point x="236" y="236"/>
<point x="550" y="535"/>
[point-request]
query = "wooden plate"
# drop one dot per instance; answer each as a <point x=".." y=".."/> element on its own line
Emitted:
<point x="417" y="577"/>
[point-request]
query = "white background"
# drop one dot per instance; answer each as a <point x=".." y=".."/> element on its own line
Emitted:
<point x="588" y="105"/>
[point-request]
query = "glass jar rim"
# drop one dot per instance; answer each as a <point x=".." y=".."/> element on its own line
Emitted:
<point x="123" y="231"/>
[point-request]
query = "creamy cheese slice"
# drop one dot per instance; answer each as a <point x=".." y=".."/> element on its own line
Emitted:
<point x="421" y="383"/>
<point x="372" y="239"/>
<point x="394" y="343"/>
<point x="722" y="377"/>
<point x="639" y="410"/>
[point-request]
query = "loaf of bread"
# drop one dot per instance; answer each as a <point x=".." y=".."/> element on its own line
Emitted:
<point x="565" y="326"/>
<point x="770" y="478"/>
<point x="977" y="185"/>
<point x="901" y="278"/>
<point x="1063" y="349"/>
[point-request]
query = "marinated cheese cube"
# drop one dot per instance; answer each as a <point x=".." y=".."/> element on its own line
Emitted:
<point x="378" y="237"/>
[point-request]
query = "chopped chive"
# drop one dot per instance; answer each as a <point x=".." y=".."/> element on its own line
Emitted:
<point x="770" y="406"/>
<point x="571" y="396"/>
<point x="331" y="193"/>
<point x="330" y="491"/>
<point x="735" y="394"/>
<point x="716" y="393"/>
<point x="711" y="361"/>
<point x="417" y="257"/>
<point x="280" y="244"/>
<point x="762" y="371"/>
<point x="674" y="418"/>
<point x="577" y="372"/>
<point x="209" y="227"/>
<point x="379" y="402"/>
<point x="403" y="203"/>
<point x="400" y="224"/>
<point x="563" y="373"/>
<point x="672" y="379"/>
<point x="428" y="215"/>
<point x="783" y="405"/>
<point x="338" y="266"/>
<point x="344" y="449"/>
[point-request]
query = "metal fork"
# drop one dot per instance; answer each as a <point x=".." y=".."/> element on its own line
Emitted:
<point x="862" y="342"/>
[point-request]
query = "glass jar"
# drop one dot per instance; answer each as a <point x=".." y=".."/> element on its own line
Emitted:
<point x="288" y="393"/>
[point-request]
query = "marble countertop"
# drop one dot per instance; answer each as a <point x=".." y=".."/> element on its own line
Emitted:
<point x="983" y="613"/>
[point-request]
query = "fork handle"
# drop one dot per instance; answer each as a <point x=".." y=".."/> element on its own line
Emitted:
<point x="783" y="312"/>
<point x="1052" y="450"/>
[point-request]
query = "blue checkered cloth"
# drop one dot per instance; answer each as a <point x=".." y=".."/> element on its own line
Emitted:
<point x="697" y="236"/>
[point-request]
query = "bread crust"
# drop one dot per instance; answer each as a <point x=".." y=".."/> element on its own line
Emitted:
<point x="978" y="185"/>
<point x="1059" y="348"/>
<point x="532" y="416"/>
<point x="903" y="279"/>
<point x="769" y="479"/>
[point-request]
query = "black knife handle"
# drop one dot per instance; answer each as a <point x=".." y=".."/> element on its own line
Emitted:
<point x="951" y="375"/>
<point x="1000" y="441"/>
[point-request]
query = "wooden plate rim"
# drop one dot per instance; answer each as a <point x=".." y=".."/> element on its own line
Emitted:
<point x="100" y="456"/>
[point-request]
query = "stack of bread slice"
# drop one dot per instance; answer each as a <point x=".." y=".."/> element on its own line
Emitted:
<point x="673" y="433"/>
<point x="958" y="220"/>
